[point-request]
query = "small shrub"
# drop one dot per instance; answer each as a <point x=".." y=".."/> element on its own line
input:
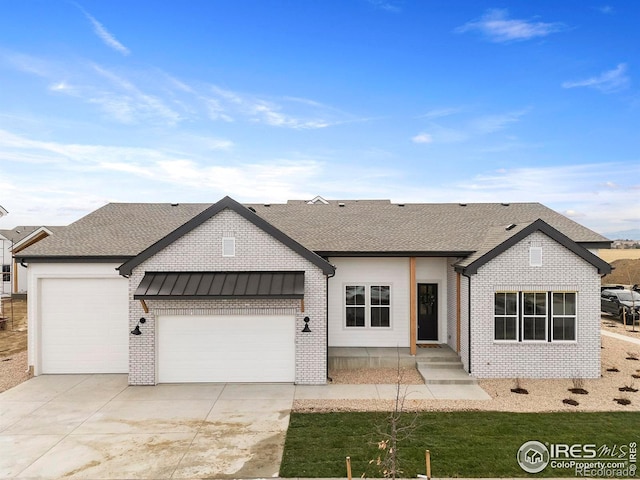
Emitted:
<point x="518" y="387"/>
<point x="622" y="401"/>
<point x="635" y="375"/>
<point x="578" y="386"/>
<point x="570" y="401"/>
<point x="612" y="369"/>
<point x="628" y="388"/>
<point x="632" y="356"/>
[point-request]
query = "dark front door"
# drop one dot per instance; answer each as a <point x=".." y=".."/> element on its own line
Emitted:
<point x="427" y="311"/>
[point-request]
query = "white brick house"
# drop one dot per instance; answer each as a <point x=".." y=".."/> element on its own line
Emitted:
<point x="231" y="292"/>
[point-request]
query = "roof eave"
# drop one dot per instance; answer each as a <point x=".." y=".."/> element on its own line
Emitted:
<point x="539" y="225"/>
<point x="72" y="259"/>
<point x="397" y="253"/>
<point x="227" y="202"/>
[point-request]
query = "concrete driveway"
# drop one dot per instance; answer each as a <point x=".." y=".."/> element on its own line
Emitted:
<point x="97" y="427"/>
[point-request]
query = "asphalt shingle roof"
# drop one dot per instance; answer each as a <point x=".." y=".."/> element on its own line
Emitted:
<point x="126" y="229"/>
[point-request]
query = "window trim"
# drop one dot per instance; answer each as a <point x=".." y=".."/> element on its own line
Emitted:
<point x="516" y="317"/>
<point x="6" y="272"/>
<point x="545" y="316"/>
<point x="549" y="317"/>
<point x="368" y="306"/>
<point x="574" y="316"/>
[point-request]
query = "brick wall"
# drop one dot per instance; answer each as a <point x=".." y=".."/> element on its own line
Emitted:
<point x="201" y="250"/>
<point x="562" y="270"/>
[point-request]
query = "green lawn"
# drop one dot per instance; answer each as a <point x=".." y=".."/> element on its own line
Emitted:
<point x="462" y="444"/>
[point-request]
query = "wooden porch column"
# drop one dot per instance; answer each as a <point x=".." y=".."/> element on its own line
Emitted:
<point x="413" y="295"/>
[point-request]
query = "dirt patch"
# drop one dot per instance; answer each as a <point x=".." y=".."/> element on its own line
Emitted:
<point x="373" y="376"/>
<point x="13" y="370"/>
<point x="626" y="271"/>
<point x="13" y="330"/>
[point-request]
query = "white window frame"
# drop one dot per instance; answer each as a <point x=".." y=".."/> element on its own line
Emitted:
<point x="516" y="317"/>
<point x="6" y="272"/>
<point x="368" y="306"/>
<point x="228" y="246"/>
<point x="564" y="315"/>
<point x="549" y="317"/>
<point x="544" y="316"/>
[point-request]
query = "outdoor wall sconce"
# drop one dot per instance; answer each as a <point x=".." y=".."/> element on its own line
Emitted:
<point x="136" y="331"/>
<point x="306" y="328"/>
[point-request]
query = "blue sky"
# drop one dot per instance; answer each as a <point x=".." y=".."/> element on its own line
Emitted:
<point x="415" y="101"/>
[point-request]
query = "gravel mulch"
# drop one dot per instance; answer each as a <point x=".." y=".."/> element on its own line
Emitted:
<point x="13" y="370"/>
<point x="544" y="395"/>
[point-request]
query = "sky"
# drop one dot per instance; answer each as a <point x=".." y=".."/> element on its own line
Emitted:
<point x="265" y="101"/>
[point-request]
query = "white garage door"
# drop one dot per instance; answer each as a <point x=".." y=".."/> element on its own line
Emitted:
<point x="84" y="325"/>
<point x="226" y="349"/>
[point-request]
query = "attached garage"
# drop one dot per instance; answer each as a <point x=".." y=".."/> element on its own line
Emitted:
<point x="232" y="348"/>
<point x="84" y="325"/>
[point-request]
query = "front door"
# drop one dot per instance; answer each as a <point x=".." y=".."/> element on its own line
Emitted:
<point x="427" y="312"/>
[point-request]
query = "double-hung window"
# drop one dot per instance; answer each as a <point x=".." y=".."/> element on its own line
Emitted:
<point x="367" y="306"/>
<point x="6" y="273"/>
<point x="506" y="316"/>
<point x="535" y="316"/>
<point x="534" y="319"/>
<point x="564" y="316"/>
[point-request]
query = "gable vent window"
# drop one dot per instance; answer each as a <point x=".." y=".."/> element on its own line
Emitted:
<point x="535" y="256"/>
<point x="228" y="246"/>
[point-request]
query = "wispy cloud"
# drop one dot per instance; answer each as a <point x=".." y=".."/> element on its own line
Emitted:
<point x="494" y="123"/>
<point x="471" y="128"/>
<point x="606" y="9"/>
<point x="607" y="82"/>
<point x="387" y="5"/>
<point x="422" y="138"/>
<point x="440" y="112"/>
<point x="287" y="112"/>
<point x="104" y="35"/>
<point x="498" y="27"/>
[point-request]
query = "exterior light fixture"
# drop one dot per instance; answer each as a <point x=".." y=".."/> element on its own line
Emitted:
<point x="136" y="331"/>
<point x="306" y="328"/>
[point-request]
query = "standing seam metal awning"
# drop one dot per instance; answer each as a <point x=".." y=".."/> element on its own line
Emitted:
<point x="220" y="285"/>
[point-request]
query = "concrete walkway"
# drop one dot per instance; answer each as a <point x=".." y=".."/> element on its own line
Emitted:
<point x="98" y="427"/>
<point x="617" y="336"/>
<point x="388" y="392"/>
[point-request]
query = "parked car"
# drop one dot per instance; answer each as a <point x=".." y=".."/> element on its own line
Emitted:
<point x="621" y="303"/>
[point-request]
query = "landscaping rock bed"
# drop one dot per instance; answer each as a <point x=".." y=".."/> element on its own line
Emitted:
<point x="544" y="395"/>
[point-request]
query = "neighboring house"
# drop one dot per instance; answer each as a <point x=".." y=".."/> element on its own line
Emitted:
<point x="14" y="275"/>
<point x="250" y="293"/>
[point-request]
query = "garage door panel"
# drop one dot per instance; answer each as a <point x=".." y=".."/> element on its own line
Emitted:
<point x="84" y="325"/>
<point x="226" y="349"/>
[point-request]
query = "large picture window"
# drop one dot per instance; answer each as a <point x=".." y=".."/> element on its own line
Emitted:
<point x="535" y="316"/>
<point x="368" y="306"/>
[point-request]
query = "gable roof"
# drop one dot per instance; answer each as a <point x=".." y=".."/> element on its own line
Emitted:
<point x="226" y="203"/>
<point x="374" y="227"/>
<point x="500" y="239"/>
<point x="121" y="231"/>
